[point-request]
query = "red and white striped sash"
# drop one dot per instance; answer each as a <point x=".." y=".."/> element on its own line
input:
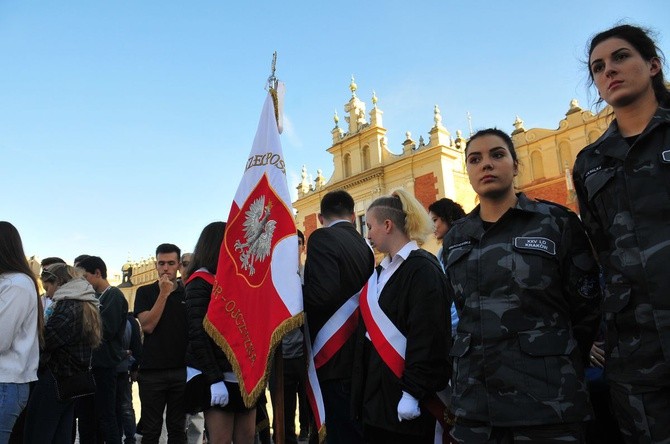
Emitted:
<point x="389" y="342"/>
<point x="336" y="331"/>
<point x="314" y="395"/>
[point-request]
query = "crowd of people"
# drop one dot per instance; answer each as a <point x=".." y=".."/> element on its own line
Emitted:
<point x="500" y="338"/>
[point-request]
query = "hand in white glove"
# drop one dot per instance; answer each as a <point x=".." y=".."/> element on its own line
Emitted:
<point x="219" y="394"/>
<point x="408" y="407"/>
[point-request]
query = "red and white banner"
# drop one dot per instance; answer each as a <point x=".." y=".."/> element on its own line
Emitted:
<point x="257" y="295"/>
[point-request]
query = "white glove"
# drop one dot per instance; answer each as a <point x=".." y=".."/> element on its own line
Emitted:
<point x="219" y="393"/>
<point x="408" y="407"/>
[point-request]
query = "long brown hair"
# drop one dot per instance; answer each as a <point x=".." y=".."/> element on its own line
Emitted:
<point x="61" y="274"/>
<point x="13" y="259"/>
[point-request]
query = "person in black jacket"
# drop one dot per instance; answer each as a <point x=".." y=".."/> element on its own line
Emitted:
<point x="97" y="419"/>
<point x="410" y="295"/>
<point x="212" y="384"/>
<point x="623" y="187"/>
<point x="338" y="264"/>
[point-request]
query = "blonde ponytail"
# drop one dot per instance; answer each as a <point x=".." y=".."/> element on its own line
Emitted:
<point x="418" y="225"/>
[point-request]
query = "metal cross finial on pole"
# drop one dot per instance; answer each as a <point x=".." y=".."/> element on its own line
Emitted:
<point x="272" y="80"/>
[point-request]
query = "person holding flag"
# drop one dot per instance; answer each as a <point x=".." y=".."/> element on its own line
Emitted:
<point x="212" y="385"/>
<point x="407" y="328"/>
<point x="338" y="264"/>
<point x="256" y="296"/>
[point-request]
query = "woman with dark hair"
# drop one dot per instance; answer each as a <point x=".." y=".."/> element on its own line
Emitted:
<point x="217" y="392"/>
<point x="407" y="335"/>
<point x="443" y="213"/>
<point x="525" y="284"/>
<point x="20" y="328"/>
<point x="623" y="186"/>
<point x="71" y="333"/>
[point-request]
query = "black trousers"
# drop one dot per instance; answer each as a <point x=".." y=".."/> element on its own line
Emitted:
<point x="97" y="414"/>
<point x="158" y="389"/>
<point x="340" y="428"/>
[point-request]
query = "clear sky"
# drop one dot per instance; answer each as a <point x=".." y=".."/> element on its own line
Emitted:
<point x="125" y="124"/>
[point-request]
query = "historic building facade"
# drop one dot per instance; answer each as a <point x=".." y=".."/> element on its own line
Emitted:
<point x="432" y="169"/>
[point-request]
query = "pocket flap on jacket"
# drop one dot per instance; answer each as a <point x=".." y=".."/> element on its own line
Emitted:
<point x="461" y="345"/>
<point x="595" y="181"/>
<point x="546" y="343"/>
<point x="616" y="298"/>
<point x="457" y="251"/>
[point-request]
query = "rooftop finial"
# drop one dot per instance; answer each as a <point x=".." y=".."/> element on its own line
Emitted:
<point x="272" y="80"/>
<point x="336" y="118"/>
<point x="437" y="116"/>
<point x="374" y="99"/>
<point x="353" y="87"/>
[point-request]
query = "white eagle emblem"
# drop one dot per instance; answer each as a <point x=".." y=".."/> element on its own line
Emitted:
<point x="258" y="230"/>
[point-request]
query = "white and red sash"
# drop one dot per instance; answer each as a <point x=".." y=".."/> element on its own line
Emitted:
<point x="201" y="273"/>
<point x="336" y="331"/>
<point x="391" y="344"/>
<point x="314" y="395"/>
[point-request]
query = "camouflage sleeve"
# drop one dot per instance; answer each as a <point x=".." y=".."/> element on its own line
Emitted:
<point x="581" y="284"/>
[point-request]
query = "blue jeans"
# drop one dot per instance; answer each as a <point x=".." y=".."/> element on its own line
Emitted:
<point x="125" y="413"/>
<point x="13" y="399"/>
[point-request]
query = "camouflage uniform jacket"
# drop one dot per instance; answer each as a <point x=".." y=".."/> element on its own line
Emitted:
<point x="624" y="201"/>
<point x="527" y="296"/>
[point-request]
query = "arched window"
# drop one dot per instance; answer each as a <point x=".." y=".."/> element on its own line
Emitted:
<point x="537" y="165"/>
<point x="365" y="161"/>
<point x="347" y="165"/>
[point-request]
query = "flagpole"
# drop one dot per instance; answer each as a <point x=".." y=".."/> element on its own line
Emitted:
<point x="278" y="413"/>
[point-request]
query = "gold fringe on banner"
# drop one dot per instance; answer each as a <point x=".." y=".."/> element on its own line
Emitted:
<point x="275" y="102"/>
<point x="251" y="397"/>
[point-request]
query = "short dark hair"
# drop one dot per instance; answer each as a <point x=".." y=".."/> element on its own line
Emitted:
<point x="494" y="132"/>
<point x="168" y="248"/>
<point x="301" y="236"/>
<point x="92" y="263"/>
<point x="337" y="203"/>
<point x="447" y="210"/>
<point x="80" y="258"/>
<point x="51" y="260"/>
<point x="640" y="39"/>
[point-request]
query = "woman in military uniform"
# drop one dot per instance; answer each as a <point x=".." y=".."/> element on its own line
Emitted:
<point x="525" y="284"/>
<point x="623" y="185"/>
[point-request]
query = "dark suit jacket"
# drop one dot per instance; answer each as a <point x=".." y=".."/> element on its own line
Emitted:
<point x="339" y="262"/>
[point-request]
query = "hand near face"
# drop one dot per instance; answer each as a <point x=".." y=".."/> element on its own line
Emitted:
<point x="165" y="285"/>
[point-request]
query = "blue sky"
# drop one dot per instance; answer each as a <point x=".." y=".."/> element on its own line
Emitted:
<point x="125" y="124"/>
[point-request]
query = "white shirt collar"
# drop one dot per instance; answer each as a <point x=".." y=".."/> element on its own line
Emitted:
<point x="337" y="222"/>
<point x="403" y="253"/>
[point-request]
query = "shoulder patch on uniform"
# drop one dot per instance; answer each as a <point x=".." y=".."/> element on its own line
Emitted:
<point x="592" y="170"/>
<point x="665" y="156"/>
<point x="460" y="244"/>
<point x="536" y="243"/>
